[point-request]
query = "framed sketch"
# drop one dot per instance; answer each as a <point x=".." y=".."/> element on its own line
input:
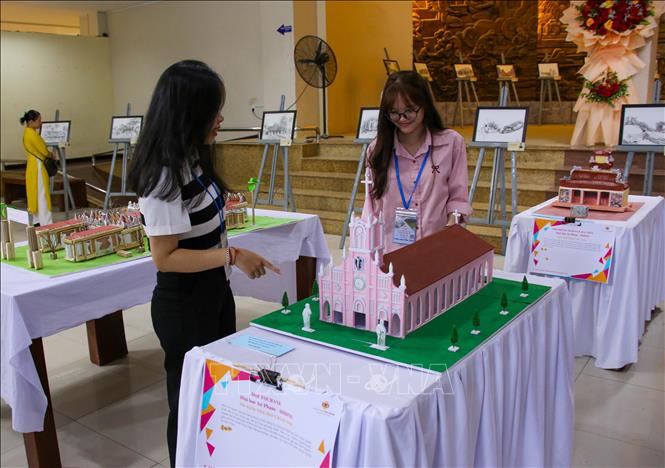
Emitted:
<point x="392" y="66"/>
<point x="506" y="72"/>
<point x="500" y="124"/>
<point x="642" y="124"/>
<point x="125" y="128"/>
<point x="464" y="71"/>
<point x="278" y="125"/>
<point x="423" y="70"/>
<point x="368" y="123"/>
<point x="54" y="133"/>
<point x="548" y="70"/>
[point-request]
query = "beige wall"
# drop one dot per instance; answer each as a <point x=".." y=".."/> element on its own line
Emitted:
<point x="358" y="31"/>
<point x="48" y="72"/>
<point x="237" y="39"/>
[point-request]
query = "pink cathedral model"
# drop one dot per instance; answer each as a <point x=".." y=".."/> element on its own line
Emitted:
<point x="421" y="281"/>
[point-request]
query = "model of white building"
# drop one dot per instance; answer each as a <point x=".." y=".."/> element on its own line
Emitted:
<point x="405" y="288"/>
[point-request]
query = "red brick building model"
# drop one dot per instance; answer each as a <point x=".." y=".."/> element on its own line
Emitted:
<point x="599" y="188"/>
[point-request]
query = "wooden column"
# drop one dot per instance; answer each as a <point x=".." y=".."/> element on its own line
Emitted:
<point x="106" y="338"/>
<point x="41" y="448"/>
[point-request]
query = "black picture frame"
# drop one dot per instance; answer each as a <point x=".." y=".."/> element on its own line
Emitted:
<point x="630" y="111"/>
<point x="115" y="137"/>
<point x="269" y="118"/>
<point x="52" y="142"/>
<point x="365" y="113"/>
<point x="507" y="116"/>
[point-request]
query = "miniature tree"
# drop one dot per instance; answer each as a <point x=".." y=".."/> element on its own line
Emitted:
<point x="454" y="336"/>
<point x="285" y="303"/>
<point x="504" y="304"/>
<point x="525" y="287"/>
<point x="476" y="323"/>
<point x="315" y="288"/>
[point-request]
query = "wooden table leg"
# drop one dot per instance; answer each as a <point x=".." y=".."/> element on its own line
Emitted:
<point x="41" y="448"/>
<point x="106" y="338"/>
<point x="305" y="276"/>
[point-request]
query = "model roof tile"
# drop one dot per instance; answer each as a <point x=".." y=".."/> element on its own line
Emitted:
<point x="425" y="262"/>
<point x="94" y="231"/>
<point x="59" y="224"/>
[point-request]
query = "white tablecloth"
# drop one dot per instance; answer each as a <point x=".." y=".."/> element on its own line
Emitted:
<point x="608" y="319"/>
<point x="35" y="305"/>
<point x="509" y="403"/>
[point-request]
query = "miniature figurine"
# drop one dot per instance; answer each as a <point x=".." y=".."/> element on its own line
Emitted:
<point x="285" y="304"/>
<point x="306" y="316"/>
<point x="525" y="287"/>
<point x="380" y="336"/>
<point x="504" y="304"/>
<point x="454" y="338"/>
<point x="476" y="323"/>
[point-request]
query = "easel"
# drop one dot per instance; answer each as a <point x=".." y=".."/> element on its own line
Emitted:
<point x="649" y="150"/>
<point x="351" y="209"/>
<point x="66" y="191"/>
<point x="498" y="177"/>
<point x="503" y="84"/>
<point x="546" y="82"/>
<point x="126" y="156"/>
<point x="465" y="82"/>
<point x="288" y="199"/>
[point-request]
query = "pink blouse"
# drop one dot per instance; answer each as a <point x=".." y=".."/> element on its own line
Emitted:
<point x="441" y="190"/>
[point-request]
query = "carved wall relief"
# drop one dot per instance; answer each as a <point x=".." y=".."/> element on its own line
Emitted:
<point x="523" y="30"/>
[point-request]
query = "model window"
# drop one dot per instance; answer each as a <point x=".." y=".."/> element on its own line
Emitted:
<point x="360" y="263"/>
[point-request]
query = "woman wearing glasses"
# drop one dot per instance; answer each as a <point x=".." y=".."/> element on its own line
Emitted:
<point x="418" y="166"/>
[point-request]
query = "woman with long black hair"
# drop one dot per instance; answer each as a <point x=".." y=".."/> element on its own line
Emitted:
<point x="418" y="166"/>
<point x="182" y="206"/>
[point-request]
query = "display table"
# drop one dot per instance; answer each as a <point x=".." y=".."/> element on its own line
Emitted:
<point x="608" y="319"/>
<point x="508" y="403"/>
<point x="35" y="306"/>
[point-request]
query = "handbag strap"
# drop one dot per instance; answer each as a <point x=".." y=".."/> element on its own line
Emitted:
<point x="25" y="147"/>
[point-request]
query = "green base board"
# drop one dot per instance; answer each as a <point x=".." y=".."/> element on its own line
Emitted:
<point x="60" y="266"/>
<point x="262" y="222"/>
<point x="425" y="348"/>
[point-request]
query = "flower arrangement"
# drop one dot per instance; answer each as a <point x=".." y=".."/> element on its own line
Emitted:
<point x="604" y="16"/>
<point x="606" y="89"/>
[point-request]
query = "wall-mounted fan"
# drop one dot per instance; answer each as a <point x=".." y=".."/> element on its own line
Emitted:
<point x="317" y="66"/>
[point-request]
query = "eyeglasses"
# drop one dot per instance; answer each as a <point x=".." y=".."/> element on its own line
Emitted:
<point x="408" y="114"/>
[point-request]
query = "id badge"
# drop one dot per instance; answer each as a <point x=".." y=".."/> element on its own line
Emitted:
<point x="404" y="230"/>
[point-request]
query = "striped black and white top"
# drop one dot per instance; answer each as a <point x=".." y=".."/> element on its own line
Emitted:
<point x="198" y="227"/>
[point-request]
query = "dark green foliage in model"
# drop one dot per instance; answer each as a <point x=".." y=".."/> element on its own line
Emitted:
<point x="504" y="302"/>
<point x="315" y="288"/>
<point x="525" y="285"/>
<point x="476" y="320"/>
<point x="285" y="300"/>
<point x="454" y="336"/>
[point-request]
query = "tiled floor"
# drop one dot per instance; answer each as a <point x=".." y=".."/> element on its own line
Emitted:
<point x="116" y="415"/>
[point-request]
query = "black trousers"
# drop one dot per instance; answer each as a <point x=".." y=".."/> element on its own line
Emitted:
<point x="188" y="309"/>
